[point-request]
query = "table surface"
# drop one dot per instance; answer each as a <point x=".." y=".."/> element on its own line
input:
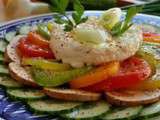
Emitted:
<point x="6" y="17"/>
<point x="2" y="12"/>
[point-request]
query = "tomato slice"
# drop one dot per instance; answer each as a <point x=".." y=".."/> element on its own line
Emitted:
<point x="36" y="39"/>
<point x="151" y="37"/>
<point x="132" y="72"/>
<point x="146" y="85"/>
<point x="147" y="34"/>
<point x="151" y="84"/>
<point x="96" y="75"/>
<point x="30" y="50"/>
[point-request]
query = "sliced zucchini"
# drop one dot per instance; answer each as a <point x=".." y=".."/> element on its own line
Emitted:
<point x="3" y="69"/>
<point x="126" y="113"/>
<point x="24" y="30"/>
<point x="89" y="111"/>
<point x="151" y="110"/>
<point x="25" y="94"/>
<point x="8" y="82"/>
<point x="3" y="45"/>
<point x="53" y="106"/>
<point x="10" y="35"/>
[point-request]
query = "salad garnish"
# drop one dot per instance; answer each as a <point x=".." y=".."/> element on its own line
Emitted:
<point x="122" y="26"/>
<point x="77" y="17"/>
<point x="69" y="23"/>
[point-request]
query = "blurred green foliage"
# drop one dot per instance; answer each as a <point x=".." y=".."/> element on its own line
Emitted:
<point x="152" y="8"/>
<point x="98" y="4"/>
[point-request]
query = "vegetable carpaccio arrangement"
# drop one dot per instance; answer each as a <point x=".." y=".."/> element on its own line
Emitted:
<point x="79" y="67"/>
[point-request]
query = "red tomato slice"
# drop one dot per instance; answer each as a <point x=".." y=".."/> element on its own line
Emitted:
<point x="30" y="50"/>
<point x="36" y="39"/>
<point x="132" y="72"/>
<point x="151" y="37"/>
<point x="151" y="34"/>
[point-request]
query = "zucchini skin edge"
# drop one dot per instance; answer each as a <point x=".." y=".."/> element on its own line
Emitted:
<point x="53" y="113"/>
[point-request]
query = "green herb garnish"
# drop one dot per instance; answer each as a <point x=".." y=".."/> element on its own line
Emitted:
<point x="69" y="23"/>
<point x="123" y="26"/>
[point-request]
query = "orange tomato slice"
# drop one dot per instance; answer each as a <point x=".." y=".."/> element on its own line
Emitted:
<point x="99" y="74"/>
<point x="131" y="73"/>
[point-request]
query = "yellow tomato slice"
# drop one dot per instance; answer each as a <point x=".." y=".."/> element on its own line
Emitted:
<point x="45" y="64"/>
<point x="147" y="85"/>
<point x="150" y="84"/>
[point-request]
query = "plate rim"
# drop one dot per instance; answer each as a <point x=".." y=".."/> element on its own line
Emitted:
<point x="69" y="12"/>
<point x="50" y="14"/>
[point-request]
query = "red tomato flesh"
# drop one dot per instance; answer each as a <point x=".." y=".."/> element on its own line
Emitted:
<point x="132" y="71"/>
<point x="151" y="34"/>
<point x="28" y="49"/>
<point x="151" y="37"/>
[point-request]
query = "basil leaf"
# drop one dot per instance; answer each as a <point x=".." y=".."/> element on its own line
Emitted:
<point x="122" y="27"/>
<point x="60" y="7"/>
<point x="79" y="9"/>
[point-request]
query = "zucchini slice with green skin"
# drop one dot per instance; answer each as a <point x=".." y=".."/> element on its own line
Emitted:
<point x="54" y="107"/>
<point x="24" y="30"/>
<point x="151" y="110"/>
<point x="9" y="36"/>
<point x="8" y="82"/>
<point x="25" y="94"/>
<point x="3" y="69"/>
<point x="124" y="114"/>
<point x="3" y="45"/>
<point x="91" y="111"/>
